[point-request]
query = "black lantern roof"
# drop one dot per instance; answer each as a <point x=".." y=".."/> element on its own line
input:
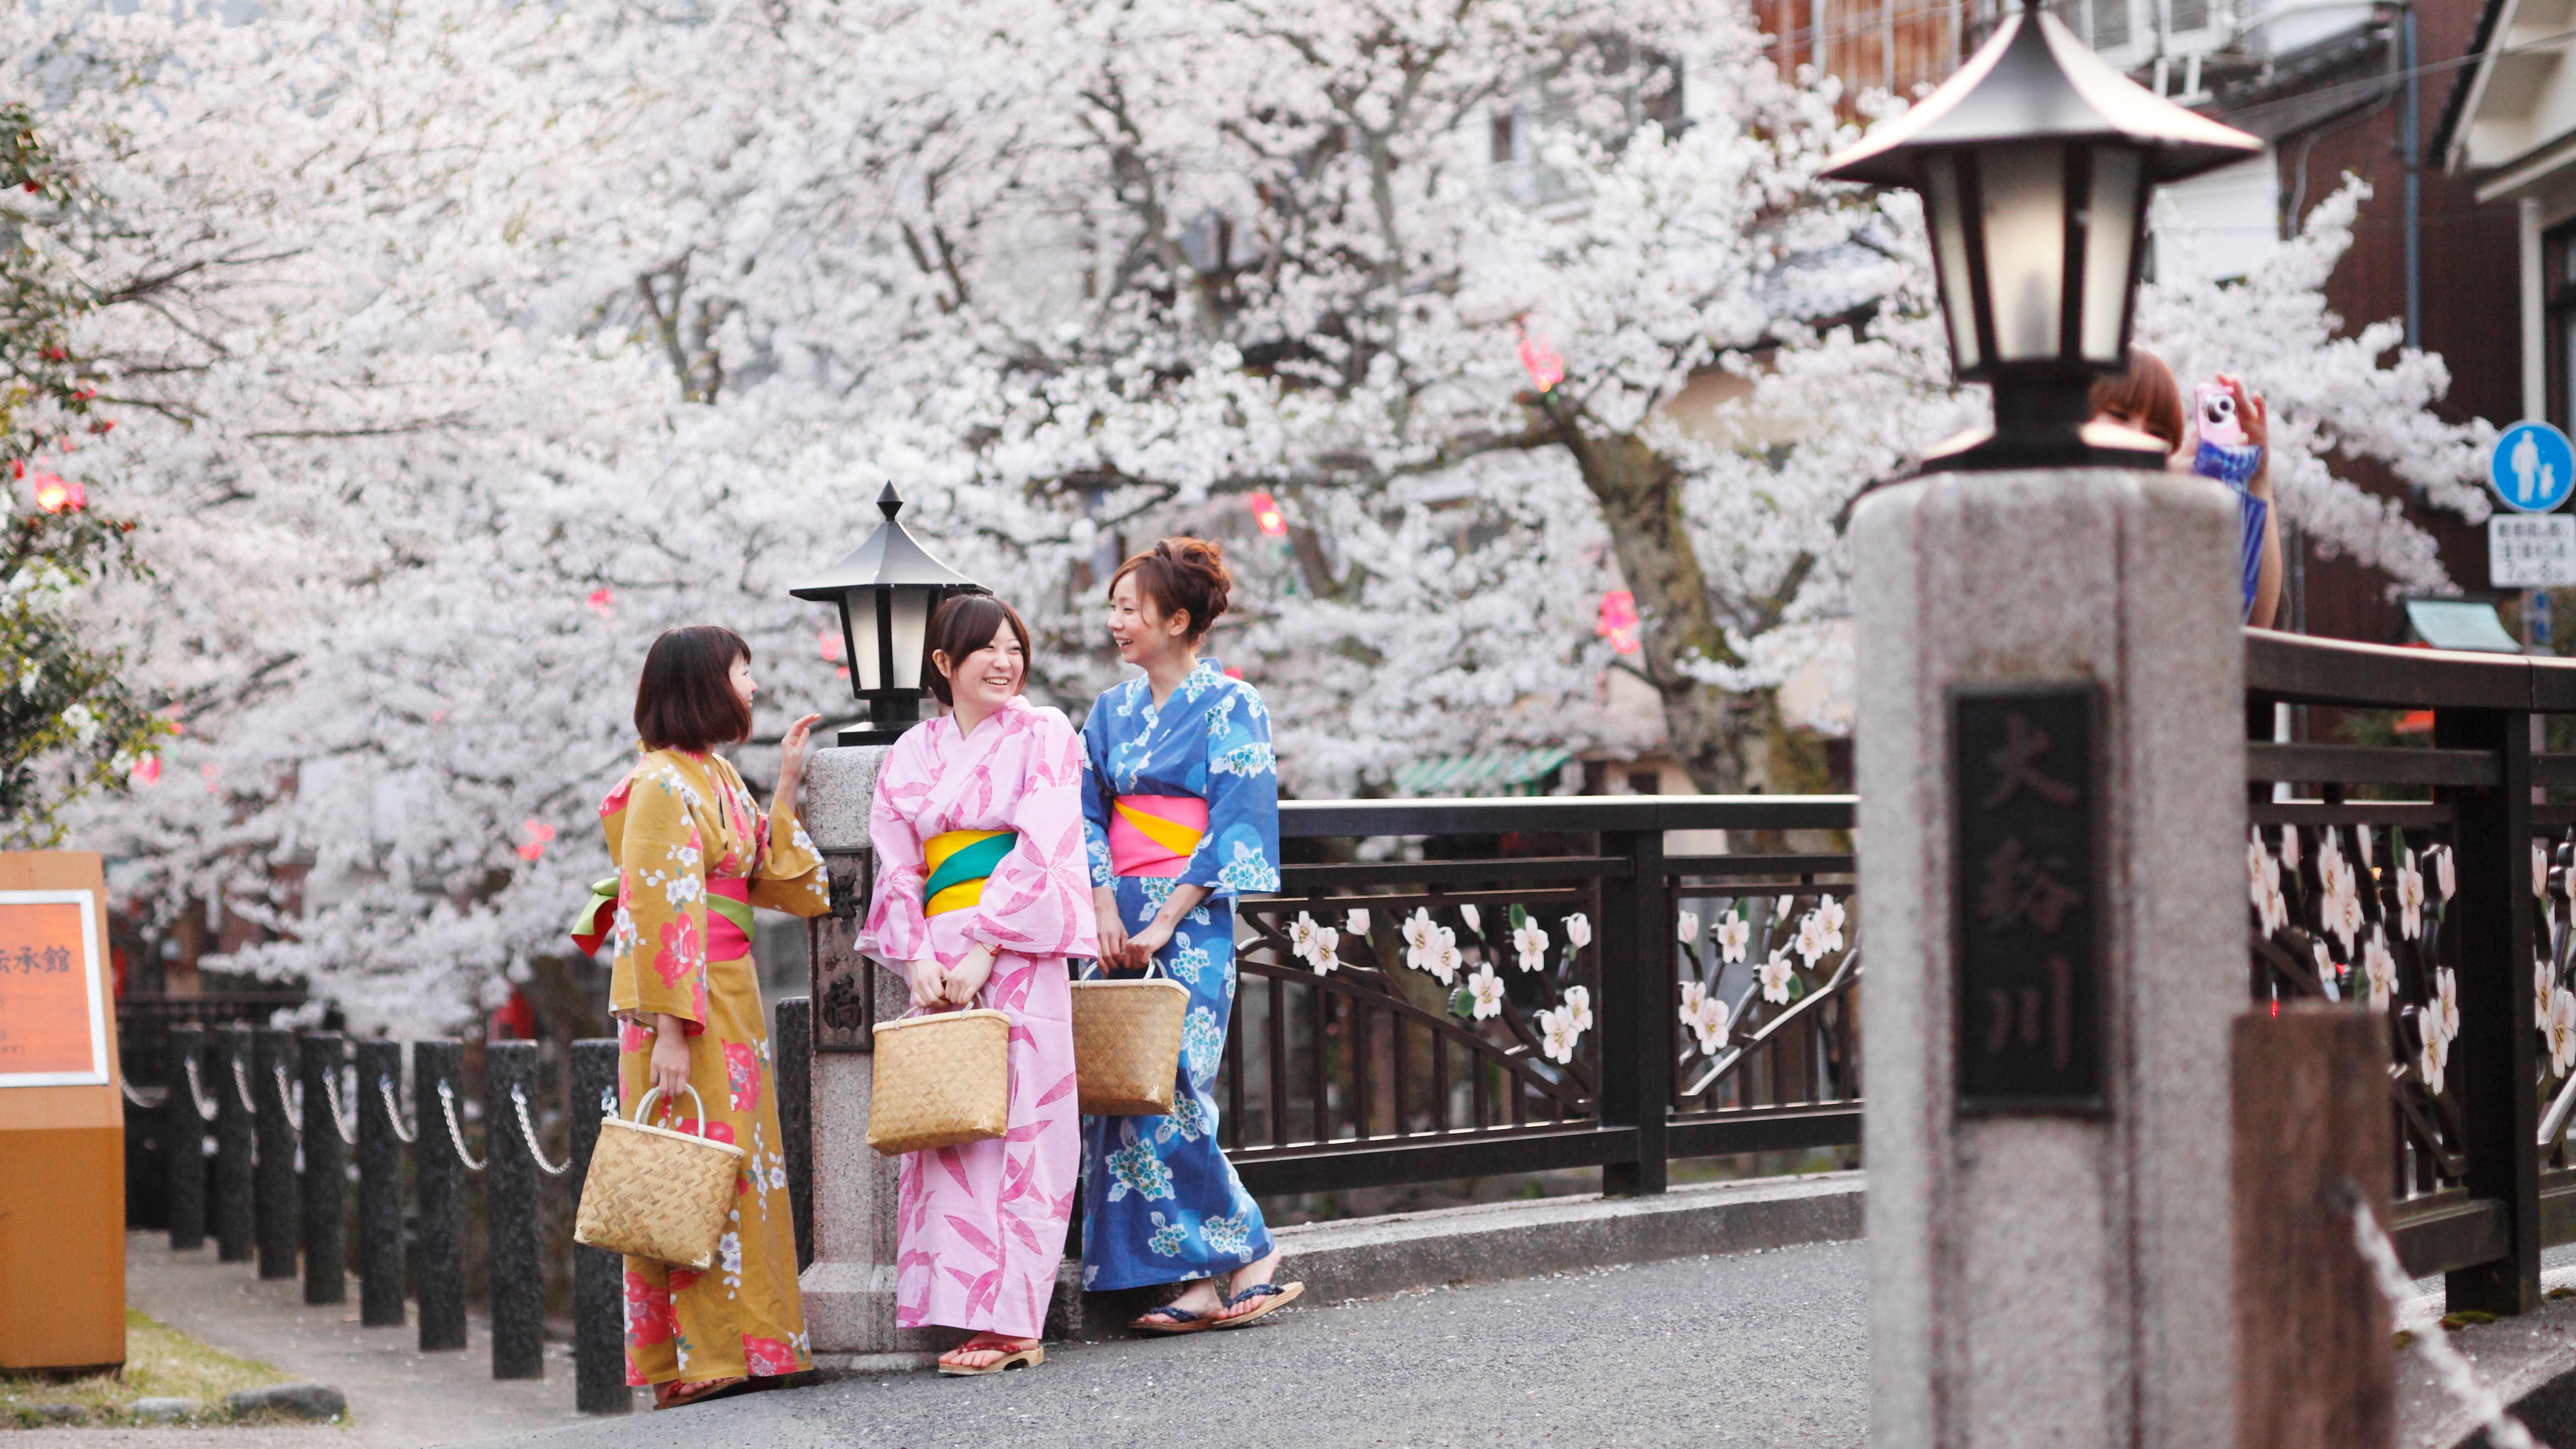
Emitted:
<point x="891" y="557"/>
<point x="2033" y="80"/>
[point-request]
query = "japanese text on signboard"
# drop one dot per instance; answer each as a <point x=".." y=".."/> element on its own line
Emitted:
<point x="2028" y="973"/>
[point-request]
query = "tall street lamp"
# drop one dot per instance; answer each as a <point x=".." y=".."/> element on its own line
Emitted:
<point x="2035" y="162"/>
<point x="887" y="589"/>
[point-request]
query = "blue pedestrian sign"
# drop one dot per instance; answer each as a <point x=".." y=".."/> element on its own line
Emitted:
<point x="2533" y="467"/>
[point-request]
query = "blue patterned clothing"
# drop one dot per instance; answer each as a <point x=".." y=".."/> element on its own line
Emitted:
<point x="1160" y="1202"/>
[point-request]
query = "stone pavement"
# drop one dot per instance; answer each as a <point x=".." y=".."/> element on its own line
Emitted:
<point x="399" y="1397"/>
<point x="1762" y="1348"/>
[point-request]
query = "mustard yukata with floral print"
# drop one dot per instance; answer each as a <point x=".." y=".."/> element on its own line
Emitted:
<point x="694" y="854"/>
<point x="1160" y="1202"/>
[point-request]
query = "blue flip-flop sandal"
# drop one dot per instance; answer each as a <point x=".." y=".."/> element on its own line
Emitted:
<point x="1177" y="1321"/>
<point x="1273" y="1296"/>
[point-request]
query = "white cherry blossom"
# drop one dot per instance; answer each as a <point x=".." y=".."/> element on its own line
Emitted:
<point x="2446" y="1004"/>
<point x="1686" y="927"/>
<point x="1557" y="1036"/>
<point x="2433" y="1059"/>
<point x="2327" y="973"/>
<point x="1474" y="918"/>
<point x="1707" y="1021"/>
<point x="1420" y="936"/>
<point x="2379" y="970"/>
<point x="2559" y="1025"/>
<point x="1529" y="944"/>
<point x="2410" y="898"/>
<point x="1485" y="989"/>
<point x="1578" y="930"/>
<point x="1733" y="934"/>
<point x="1324" y="952"/>
<point x="1444" y="958"/>
<point x="1301" y="936"/>
<point x="2445" y="872"/>
<point x="2290" y="846"/>
<point x="1578" y="1008"/>
<point x="1776" y="974"/>
<point x="1357" y="922"/>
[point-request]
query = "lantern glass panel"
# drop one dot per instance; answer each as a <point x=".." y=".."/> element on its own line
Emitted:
<point x="2022" y="192"/>
<point x="2110" y="236"/>
<point x="1949" y="227"/>
<point x="859" y="631"/>
<point x="911" y="628"/>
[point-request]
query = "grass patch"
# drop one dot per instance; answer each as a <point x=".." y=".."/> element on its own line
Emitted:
<point x="160" y="1362"/>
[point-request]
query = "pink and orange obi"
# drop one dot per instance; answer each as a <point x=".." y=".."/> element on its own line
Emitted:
<point x="1155" y="835"/>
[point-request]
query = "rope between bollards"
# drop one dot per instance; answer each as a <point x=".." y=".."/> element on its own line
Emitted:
<point x="2502" y="1429"/>
<point x="393" y="1113"/>
<point x="208" y="1109"/>
<point x="291" y="1102"/>
<point x="138" y="1097"/>
<point x="456" y="1134"/>
<point x="528" y="1130"/>
<point x="340" y="1116"/>
<point x="241" y="1088"/>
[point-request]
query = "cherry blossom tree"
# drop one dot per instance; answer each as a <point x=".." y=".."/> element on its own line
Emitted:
<point x="464" y="346"/>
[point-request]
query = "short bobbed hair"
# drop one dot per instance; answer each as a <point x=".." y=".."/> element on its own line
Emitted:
<point x="685" y="701"/>
<point x="1182" y="576"/>
<point x="2146" y="392"/>
<point x="963" y="625"/>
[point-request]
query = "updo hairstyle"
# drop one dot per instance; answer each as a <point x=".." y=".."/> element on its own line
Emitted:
<point x="1182" y="576"/>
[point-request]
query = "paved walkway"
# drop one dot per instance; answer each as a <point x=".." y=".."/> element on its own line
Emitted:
<point x="1766" y="1348"/>
<point x="400" y="1397"/>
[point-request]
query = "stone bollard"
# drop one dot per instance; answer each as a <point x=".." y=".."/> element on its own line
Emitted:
<point x="2052" y="784"/>
<point x="598" y="1278"/>
<point x="512" y="1210"/>
<point x="791" y="1050"/>
<point x="236" y="1145"/>
<point x="186" y="1136"/>
<point x="439" y="1175"/>
<point x="2313" y="1129"/>
<point x="326" y="1171"/>
<point x="272" y="1064"/>
<point x="380" y="1214"/>
<point x="849" y="1289"/>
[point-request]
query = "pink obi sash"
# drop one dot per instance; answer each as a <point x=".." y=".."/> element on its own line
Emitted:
<point x="728" y="918"/>
<point x="1154" y="834"/>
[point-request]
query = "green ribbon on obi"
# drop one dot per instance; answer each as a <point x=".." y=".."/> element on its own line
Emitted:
<point x="959" y="862"/>
<point x="590" y="926"/>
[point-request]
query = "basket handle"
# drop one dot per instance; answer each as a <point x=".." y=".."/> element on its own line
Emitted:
<point x="1153" y="965"/>
<point x="644" y="1104"/>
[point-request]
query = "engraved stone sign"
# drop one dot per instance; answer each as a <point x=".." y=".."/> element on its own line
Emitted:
<point x="2027" y="896"/>
<point x="844" y="984"/>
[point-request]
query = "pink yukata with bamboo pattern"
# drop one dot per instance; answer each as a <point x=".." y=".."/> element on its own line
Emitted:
<point x="980" y="1227"/>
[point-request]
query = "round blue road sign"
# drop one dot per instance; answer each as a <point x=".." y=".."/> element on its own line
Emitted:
<point x="2533" y="467"/>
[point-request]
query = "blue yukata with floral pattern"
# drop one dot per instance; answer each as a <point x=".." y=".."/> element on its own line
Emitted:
<point x="1160" y="1202"/>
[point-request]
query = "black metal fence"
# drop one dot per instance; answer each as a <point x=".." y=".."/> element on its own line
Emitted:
<point x="309" y="1155"/>
<point x="2416" y="862"/>
<point x="1540" y="985"/>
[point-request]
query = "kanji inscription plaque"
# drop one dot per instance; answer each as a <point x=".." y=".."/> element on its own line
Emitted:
<point x="2027" y="895"/>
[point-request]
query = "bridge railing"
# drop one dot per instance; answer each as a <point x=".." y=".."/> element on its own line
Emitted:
<point x="1537" y="984"/>
<point x="2419" y="868"/>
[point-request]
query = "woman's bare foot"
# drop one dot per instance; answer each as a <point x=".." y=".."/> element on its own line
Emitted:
<point x="1245" y="1277"/>
<point x="1200" y="1297"/>
<point x="984" y="1350"/>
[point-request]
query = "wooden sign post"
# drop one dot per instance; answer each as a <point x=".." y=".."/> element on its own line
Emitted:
<point x="62" y="1124"/>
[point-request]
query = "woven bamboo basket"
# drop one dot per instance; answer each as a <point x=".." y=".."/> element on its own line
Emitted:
<point x="1127" y="1045"/>
<point x="940" y="1080"/>
<point x="656" y="1193"/>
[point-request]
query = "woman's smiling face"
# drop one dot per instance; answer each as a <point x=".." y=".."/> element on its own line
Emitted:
<point x="991" y="674"/>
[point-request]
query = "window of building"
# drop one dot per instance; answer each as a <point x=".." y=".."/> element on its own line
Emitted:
<point x="1498" y="148"/>
<point x="2558" y="297"/>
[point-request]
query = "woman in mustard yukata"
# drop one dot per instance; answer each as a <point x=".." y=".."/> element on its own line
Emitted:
<point x="1181" y="814"/>
<point x="981" y="892"/>
<point x="694" y="854"/>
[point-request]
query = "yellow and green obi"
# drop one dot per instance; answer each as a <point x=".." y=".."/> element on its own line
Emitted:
<point x="958" y="862"/>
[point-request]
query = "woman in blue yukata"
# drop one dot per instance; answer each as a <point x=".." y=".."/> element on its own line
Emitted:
<point x="1181" y="811"/>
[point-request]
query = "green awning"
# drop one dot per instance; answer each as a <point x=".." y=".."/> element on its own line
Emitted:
<point x="1489" y="772"/>
<point x="2460" y="624"/>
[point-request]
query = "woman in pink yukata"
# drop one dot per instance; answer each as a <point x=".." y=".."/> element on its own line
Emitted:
<point x="983" y="888"/>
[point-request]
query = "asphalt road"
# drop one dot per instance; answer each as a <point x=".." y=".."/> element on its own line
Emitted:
<point x="1752" y="1349"/>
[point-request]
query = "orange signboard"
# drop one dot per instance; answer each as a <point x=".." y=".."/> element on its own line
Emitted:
<point x="53" y="1030"/>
